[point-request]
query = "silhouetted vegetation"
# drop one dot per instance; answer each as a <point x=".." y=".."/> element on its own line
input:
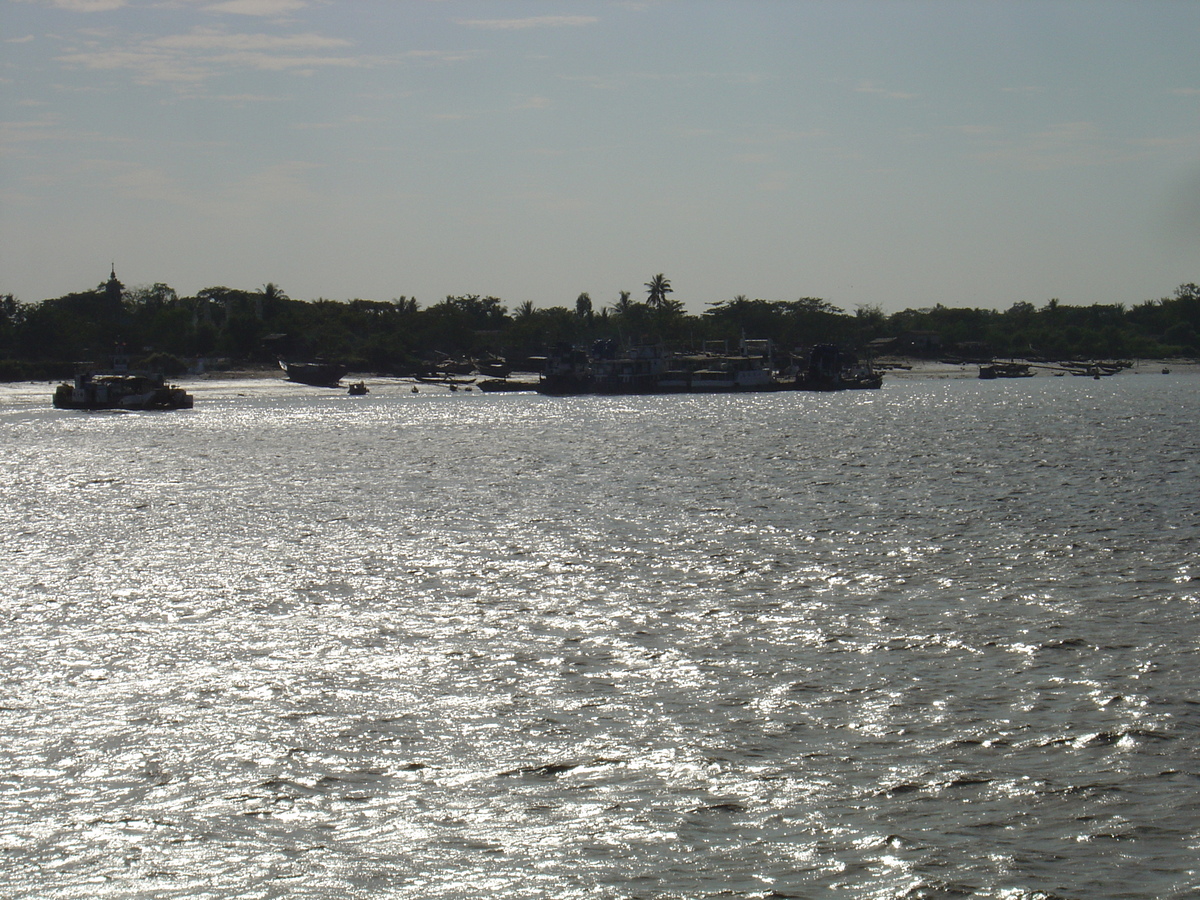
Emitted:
<point x="157" y="328"/>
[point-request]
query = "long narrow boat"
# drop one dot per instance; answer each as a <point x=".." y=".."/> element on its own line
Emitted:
<point x="503" y="385"/>
<point x="318" y="373"/>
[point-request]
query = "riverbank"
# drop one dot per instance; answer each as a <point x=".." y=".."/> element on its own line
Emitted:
<point x="892" y="367"/>
<point x="907" y="367"/>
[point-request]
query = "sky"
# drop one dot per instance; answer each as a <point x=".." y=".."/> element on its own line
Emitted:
<point x="894" y="154"/>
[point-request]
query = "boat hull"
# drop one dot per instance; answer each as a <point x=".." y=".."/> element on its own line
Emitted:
<point x="317" y="374"/>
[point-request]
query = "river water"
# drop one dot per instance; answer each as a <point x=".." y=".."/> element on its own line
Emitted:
<point x="937" y="640"/>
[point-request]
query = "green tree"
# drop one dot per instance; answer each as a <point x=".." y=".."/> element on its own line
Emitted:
<point x="583" y="306"/>
<point x="12" y="316"/>
<point x="407" y="305"/>
<point x="730" y="320"/>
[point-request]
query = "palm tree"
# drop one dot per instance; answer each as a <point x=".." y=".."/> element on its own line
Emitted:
<point x="622" y="305"/>
<point x="268" y="299"/>
<point x="657" y="289"/>
<point x="524" y="310"/>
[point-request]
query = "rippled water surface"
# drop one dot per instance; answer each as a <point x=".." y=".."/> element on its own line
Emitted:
<point x="938" y="640"/>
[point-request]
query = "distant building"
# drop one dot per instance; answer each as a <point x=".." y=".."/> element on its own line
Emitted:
<point x="912" y="343"/>
<point x="114" y="291"/>
<point x="921" y="342"/>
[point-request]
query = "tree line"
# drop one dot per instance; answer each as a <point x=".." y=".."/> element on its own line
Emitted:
<point x="156" y="327"/>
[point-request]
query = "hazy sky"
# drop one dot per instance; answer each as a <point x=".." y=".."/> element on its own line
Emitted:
<point x="893" y="153"/>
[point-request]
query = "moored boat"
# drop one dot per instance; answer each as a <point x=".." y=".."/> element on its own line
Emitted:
<point x="318" y="373"/>
<point x="493" y="368"/>
<point x="651" y="370"/>
<point x="862" y="379"/>
<point x="1095" y="368"/>
<point x="565" y="372"/>
<point x="1004" y="370"/>
<point x="120" y="391"/>
<point x="502" y="385"/>
<point x="830" y="368"/>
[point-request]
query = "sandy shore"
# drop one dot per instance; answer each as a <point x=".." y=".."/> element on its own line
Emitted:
<point x="905" y="367"/>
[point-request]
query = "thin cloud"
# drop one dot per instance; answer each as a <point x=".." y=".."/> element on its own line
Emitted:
<point x="280" y="183"/>
<point x="869" y="87"/>
<point x="246" y="99"/>
<point x="772" y="137"/>
<point x="87" y="6"/>
<point x="17" y="137"/>
<point x="328" y="126"/>
<point x="283" y="184"/>
<point x="205" y="52"/>
<point x="28" y="131"/>
<point x="1187" y="143"/>
<point x="154" y="184"/>
<point x="974" y="130"/>
<point x="1062" y="146"/>
<point x="529" y="22"/>
<point x="776" y="183"/>
<point x="625" y="80"/>
<point x="442" y="56"/>
<point x="147" y="66"/>
<point x="272" y="8"/>
<point x="235" y="42"/>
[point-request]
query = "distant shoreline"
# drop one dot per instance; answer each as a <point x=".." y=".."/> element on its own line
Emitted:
<point x="893" y="367"/>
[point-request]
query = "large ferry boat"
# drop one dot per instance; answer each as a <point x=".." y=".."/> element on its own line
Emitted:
<point x="651" y="370"/>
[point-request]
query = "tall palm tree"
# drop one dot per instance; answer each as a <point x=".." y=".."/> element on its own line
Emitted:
<point x="271" y="291"/>
<point x="657" y="289"/>
<point x="623" y="303"/>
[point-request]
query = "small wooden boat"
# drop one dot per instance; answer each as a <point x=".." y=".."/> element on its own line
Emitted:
<point x="444" y="380"/>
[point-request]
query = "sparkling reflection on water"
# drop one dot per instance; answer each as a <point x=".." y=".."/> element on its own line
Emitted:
<point x="932" y="641"/>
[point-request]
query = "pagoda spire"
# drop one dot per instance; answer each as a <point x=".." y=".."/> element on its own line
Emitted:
<point x="113" y="289"/>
